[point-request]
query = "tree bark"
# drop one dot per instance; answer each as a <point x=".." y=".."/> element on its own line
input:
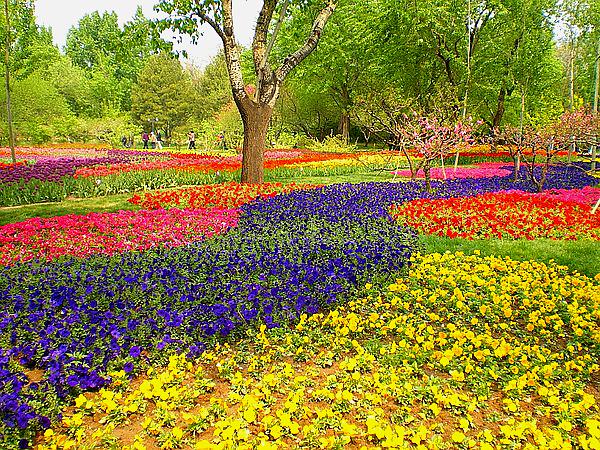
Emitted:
<point x="256" y="120"/>
<point x="500" y="108"/>
<point x="516" y="167"/>
<point x="344" y="127"/>
<point x="256" y="112"/>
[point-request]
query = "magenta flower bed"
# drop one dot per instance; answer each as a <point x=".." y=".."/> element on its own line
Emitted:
<point x="109" y="233"/>
<point x="483" y="170"/>
<point x="585" y="196"/>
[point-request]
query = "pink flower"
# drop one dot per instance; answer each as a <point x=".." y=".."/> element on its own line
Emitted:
<point x="110" y="233"/>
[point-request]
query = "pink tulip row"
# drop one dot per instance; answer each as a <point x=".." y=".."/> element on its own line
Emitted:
<point x="109" y="233"/>
<point x="483" y="170"/>
<point x="36" y="153"/>
<point x="586" y="196"/>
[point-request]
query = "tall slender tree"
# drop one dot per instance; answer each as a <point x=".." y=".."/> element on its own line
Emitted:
<point x="11" y="137"/>
<point x="255" y="106"/>
<point x="18" y="23"/>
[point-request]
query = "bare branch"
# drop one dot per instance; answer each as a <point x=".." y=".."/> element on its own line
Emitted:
<point x="276" y="31"/>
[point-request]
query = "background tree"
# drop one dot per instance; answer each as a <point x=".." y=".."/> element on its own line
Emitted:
<point x="17" y="35"/>
<point x="164" y="92"/>
<point x="339" y="65"/>
<point x="112" y="57"/>
<point x="212" y="87"/>
<point x="543" y="144"/>
<point x="256" y="110"/>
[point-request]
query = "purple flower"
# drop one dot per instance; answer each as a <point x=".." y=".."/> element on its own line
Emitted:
<point x="135" y="351"/>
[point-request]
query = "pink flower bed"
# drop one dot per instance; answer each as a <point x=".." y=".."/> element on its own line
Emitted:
<point x="483" y="170"/>
<point x="109" y="233"/>
<point x="586" y="196"/>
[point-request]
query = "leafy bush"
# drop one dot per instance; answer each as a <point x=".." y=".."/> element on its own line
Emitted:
<point x="331" y="144"/>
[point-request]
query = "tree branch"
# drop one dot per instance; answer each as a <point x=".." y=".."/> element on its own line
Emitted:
<point x="232" y="55"/>
<point x="311" y="42"/>
<point x="259" y="44"/>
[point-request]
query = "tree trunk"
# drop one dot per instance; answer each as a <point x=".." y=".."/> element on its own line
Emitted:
<point x="345" y="103"/>
<point x="344" y="127"/>
<point x="516" y="167"/>
<point x="427" y="172"/>
<point x="500" y="108"/>
<point x="256" y="124"/>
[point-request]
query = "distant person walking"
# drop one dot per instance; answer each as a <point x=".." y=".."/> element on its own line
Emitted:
<point x="191" y="140"/>
<point x="153" y="140"/>
<point x="159" y="140"/>
<point x="145" y="139"/>
<point x="221" y="142"/>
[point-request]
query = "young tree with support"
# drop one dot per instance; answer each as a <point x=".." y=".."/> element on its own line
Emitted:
<point x="540" y="147"/>
<point x="186" y="16"/>
<point x="513" y="140"/>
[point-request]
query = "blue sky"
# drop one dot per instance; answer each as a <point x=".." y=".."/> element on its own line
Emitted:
<point x="61" y="15"/>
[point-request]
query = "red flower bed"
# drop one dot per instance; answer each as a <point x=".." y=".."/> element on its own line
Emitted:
<point x="500" y="215"/>
<point x="11" y="165"/>
<point x="225" y="195"/>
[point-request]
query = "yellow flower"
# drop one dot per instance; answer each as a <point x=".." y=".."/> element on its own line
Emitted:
<point x="457" y="436"/>
<point x="566" y="425"/>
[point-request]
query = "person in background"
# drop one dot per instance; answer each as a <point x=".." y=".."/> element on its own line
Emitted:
<point x="221" y="140"/>
<point x="159" y="140"/>
<point x="191" y="140"/>
<point x="124" y="141"/>
<point x="145" y="139"/>
<point x="153" y="140"/>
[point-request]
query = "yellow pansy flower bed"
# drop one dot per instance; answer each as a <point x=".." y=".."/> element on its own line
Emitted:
<point x="461" y="352"/>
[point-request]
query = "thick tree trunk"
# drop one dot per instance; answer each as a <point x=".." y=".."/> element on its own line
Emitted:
<point x="344" y="127"/>
<point x="500" y="108"/>
<point x="256" y="124"/>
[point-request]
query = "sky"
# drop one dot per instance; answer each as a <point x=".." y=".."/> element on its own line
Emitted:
<point x="61" y="15"/>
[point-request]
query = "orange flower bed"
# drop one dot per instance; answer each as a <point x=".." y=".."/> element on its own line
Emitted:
<point x="226" y="195"/>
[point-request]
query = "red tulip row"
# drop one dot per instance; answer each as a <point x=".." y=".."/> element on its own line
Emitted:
<point x="500" y="215"/>
<point x="207" y="163"/>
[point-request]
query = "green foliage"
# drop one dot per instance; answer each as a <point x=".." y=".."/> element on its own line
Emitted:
<point x="40" y="113"/>
<point x="112" y="57"/>
<point x="109" y="128"/>
<point x="71" y="82"/>
<point x="164" y="92"/>
<point x="212" y="88"/>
